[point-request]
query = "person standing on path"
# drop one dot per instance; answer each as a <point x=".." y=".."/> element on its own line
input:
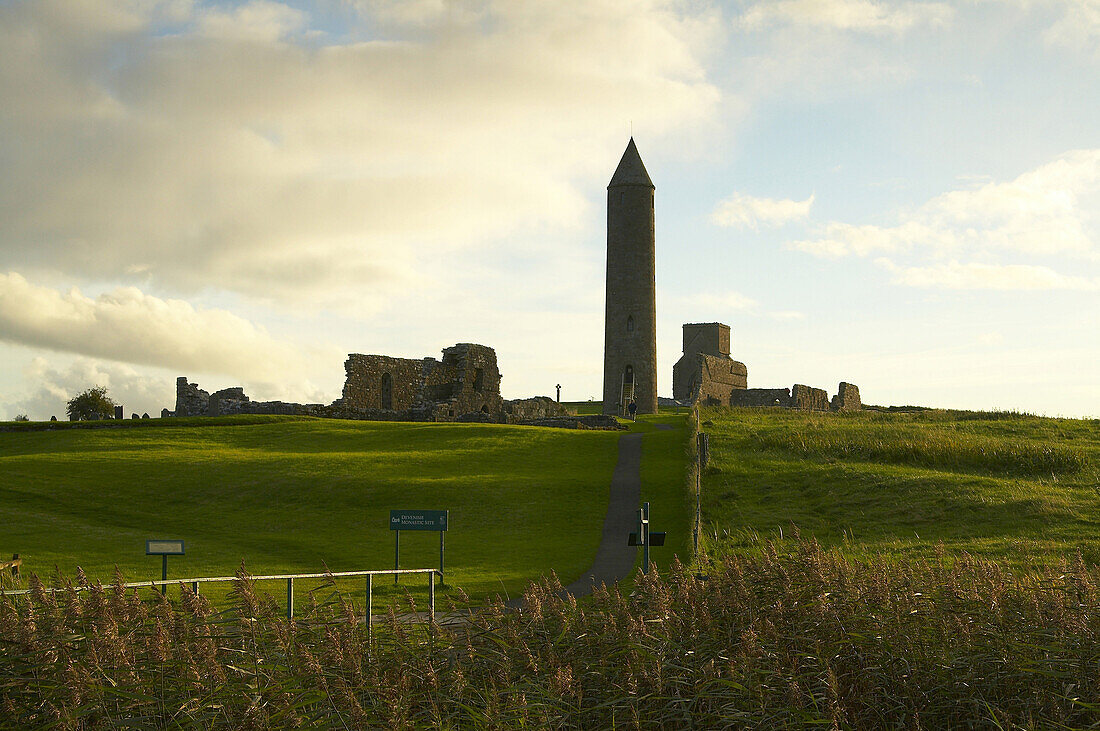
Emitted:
<point x="632" y="407"/>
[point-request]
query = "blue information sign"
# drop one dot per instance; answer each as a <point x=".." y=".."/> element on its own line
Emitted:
<point x="418" y="520"/>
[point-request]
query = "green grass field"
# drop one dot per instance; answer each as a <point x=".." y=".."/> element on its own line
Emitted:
<point x="292" y="495"/>
<point x="287" y="495"/>
<point x="1009" y="487"/>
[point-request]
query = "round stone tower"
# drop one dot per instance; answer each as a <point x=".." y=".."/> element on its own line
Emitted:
<point x="630" y="314"/>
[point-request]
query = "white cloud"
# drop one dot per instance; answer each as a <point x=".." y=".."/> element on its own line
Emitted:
<point x="954" y="275"/>
<point x="1078" y="26"/>
<point x="128" y="325"/>
<point x="746" y="211"/>
<point x="54" y="386"/>
<point x="241" y="149"/>
<point x="848" y="15"/>
<point x="723" y="301"/>
<point x="1049" y="210"/>
<point x="259" y="20"/>
<point x="991" y="338"/>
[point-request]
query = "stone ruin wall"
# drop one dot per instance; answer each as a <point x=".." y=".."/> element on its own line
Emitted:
<point x="466" y="381"/>
<point x="190" y="399"/>
<point x="464" y="386"/>
<point x="799" y="396"/>
<point x="847" y="398"/>
<point x="808" y="398"/>
<point x="363" y="382"/>
<point x="761" y="397"/>
<point x="714" y="379"/>
<point x="707" y="375"/>
<point x="705" y="372"/>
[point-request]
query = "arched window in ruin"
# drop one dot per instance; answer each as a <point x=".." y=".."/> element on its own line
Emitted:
<point x="630" y="324"/>
<point x="387" y="391"/>
<point x="485" y="408"/>
<point x="479" y="379"/>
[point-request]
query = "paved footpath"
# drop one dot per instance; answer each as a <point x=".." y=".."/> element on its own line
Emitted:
<point x="614" y="559"/>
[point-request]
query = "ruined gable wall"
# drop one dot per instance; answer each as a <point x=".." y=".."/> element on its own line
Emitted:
<point x="474" y="379"/>
<point x="847" y="398"/>
<point x="363" y="385"/>
<point x="720" y="376"/>
<point x="710" y="378"/>
<point x="190" y="399"/>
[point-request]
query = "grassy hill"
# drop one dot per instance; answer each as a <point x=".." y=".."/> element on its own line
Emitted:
<point x="288" y="494"/>
<point x="1010" y="487"/>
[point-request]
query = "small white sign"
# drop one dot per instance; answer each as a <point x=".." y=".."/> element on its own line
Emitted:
<point x="163" y="548"/>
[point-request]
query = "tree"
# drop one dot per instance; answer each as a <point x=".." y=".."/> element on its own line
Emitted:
<point x="22" y="417"/>
<point x="94" y="401"/>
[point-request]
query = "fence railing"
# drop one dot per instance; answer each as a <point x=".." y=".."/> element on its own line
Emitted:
<point x="289" y="578"/>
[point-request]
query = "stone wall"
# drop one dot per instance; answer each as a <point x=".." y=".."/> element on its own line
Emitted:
<point x="847" y="398"/>
<point x="190" y="399"/>
<point x="808" y="398"/>
<point x="227" y="401"/>
<point x="466" y="381"/>
<point x="539" y="407"/>
<point x="716" y="378"/>
<point x="799" y="396"/>
<point x="705" y="373"/>
<point x="363" y="385"/>
<point x="780" y="397"/>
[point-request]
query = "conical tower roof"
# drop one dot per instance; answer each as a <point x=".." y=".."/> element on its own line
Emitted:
<point x="631" y="171"/>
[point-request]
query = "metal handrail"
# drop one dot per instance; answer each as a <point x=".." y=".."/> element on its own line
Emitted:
<point x="289" y="578"/>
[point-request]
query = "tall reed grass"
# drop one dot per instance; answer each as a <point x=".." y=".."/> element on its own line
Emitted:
<point x="792" y="637"/>
<point x="929" y="447"/>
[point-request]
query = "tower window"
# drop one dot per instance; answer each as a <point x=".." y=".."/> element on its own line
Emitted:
<point x="387" y="391"/>
<point x="630" y="324"/>
<point x="622" y="196"/>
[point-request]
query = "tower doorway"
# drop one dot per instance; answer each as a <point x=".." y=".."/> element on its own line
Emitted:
<point x="626" y="395"/>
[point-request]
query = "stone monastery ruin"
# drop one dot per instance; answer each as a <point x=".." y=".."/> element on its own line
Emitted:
<point x="706" y="374"/>
<point x="465" y="384"/>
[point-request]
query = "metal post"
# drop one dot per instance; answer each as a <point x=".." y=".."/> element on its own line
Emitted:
<point x="396" y="553"/>
<point x="370" y="602"/>
<point x="698" y="504"/>
<point x="164" y="574"/>
<point x="645" y="538"/>
<point x="441" y="534"/>
<point x="431" y="596"/>
<point x="290" y="598"/>
<point x="195" y="588"/>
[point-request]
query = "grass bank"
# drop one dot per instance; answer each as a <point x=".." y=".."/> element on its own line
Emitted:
<point x="286" y="494"/>
<point x="1009" y="487"/>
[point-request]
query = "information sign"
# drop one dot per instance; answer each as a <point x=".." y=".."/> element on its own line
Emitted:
<point x="418" y="520"/>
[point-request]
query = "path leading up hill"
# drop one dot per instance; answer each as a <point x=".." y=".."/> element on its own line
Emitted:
<point x="614" y="559"/>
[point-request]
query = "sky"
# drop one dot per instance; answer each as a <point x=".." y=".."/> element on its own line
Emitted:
<point x="901" y="195"/>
